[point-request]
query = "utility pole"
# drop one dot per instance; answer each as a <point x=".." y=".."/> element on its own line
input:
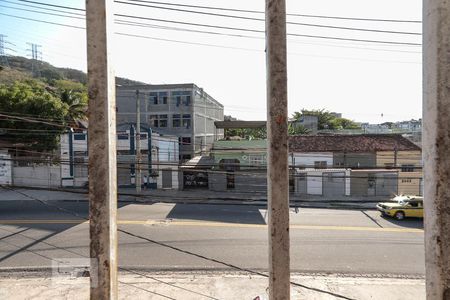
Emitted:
<point x="3" y="48"/>
<point x="277" y="137"/>
<point x="436" y="151"/>
<point x="138" y="143"/>
<point x="102" y="151"/>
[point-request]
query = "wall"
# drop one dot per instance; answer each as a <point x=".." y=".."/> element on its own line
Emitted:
<point x="5" y="169"/>
<point x="408" y="182"/>
<point x="39" y="176"/>
<point x="307" y="159"/>
<point x="355" y="160"/>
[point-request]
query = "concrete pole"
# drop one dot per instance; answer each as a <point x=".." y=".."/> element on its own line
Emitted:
<point x="436" y="142"/>
<point x="278" y="169"/>
<point x="138" y="143"/>
<point x="102" y="151"/>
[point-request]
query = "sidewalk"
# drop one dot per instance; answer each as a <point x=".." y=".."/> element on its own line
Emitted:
<point x="209" y="285"/>
<point x="197" y="197"/>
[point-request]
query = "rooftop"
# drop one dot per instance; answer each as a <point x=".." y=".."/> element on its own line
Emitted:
<point x="351" y="143"/>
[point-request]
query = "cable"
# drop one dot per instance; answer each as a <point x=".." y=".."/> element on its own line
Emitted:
<point x="289" y="14"/>
<point x="49" y="9"/>
<point x="263" y="20"/>
<point x="233" y="28"/>
<point x="162" y="244"/>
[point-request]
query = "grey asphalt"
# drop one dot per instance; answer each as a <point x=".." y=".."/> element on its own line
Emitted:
<point x="211" y="237"/>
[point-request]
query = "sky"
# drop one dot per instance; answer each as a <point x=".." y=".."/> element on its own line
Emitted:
<point x="365" y="81"/>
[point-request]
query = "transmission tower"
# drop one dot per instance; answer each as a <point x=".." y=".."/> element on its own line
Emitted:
<point x="36" y="58"/>
<point x="3" y="49"/>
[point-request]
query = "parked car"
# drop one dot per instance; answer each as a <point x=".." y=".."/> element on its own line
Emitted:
<point x="402" y="206"/>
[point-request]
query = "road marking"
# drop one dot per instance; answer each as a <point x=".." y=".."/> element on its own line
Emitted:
<point x="218" y="224"/>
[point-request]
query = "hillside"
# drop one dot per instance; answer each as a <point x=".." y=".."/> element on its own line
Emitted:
<point x="21" y="68"/>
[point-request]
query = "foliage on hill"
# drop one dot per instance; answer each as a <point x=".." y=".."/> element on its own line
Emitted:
<point x="36" y="107"/>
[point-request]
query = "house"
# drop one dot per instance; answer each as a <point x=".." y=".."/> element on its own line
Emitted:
<point x="182" y="110"/>
<point x="382" y="164"/>
<point x="239" y="165"/>
<point x="162" y="171"/>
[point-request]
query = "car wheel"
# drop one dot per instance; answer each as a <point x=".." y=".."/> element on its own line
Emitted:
<point x="399" y="215"/>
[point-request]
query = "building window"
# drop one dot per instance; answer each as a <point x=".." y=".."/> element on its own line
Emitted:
<point x="406" y="180"/>
<point x="79" y="136"/>
<point x="162" y="120"/>
<point x="154" y="120"/>
<point x="182" y="97"/>
<point x="407" y="168"/>
<point x="320" y="164"/>
<point x="389" y="165"/>
<point x="158" y="98"/>
<point x="187" y="121"/>
<point x="256" y="159"/>
<point x="122" y="136"/>
<point x="154" y="98"/>
<point x="185" y="141"/>
<point x="162" y="97"/>
<point x="176" y="120"/>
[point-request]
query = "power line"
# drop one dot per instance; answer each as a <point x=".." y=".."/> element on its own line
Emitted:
<point x="231" y="28"/>
<point x="263" y="20"/>
<point x="288" y="14"/>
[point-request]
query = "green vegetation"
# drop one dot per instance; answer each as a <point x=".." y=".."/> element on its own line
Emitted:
<point x="36" y="107"/>
<point x="327" y="120"/>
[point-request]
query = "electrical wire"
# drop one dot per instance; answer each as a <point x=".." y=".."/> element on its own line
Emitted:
<point x="235" y="28"/>
<point x="263" y="20"/>
<point x="288" y="14"/>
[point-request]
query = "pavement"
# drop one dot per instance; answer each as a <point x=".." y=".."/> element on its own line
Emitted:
<point x="189" y="250"/>
<point x="185" y="286"/>
<point x="200" y="196"/>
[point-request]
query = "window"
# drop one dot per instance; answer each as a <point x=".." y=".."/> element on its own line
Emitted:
<point x="79" y="137"/>
<point x="162" y="97"/>
<point x="406" y="180"/>
<point x="154" y="98"/>
<point x="185" y="141"/>
<point x="162" y="120"/>
<point x="389" y="165"/>
<point x="182" y="97"/>
<point x="407" y="168"/>
<point x="122" y="135"/>
<point x="186" y="157"/>
<point x="158" y="98"/>
<point x="320" y="164"/>
<point x="154" y="120"/>
<point x="187" y="100"/>
<point x="256" y="159"/>
<point x="187" y="121"/>
<point x="176" y="120"/>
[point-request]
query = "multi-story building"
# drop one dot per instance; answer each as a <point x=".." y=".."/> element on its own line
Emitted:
<point x="182" y="110"/>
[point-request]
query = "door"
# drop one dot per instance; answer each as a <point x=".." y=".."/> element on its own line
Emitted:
<point x="167" y="178"/>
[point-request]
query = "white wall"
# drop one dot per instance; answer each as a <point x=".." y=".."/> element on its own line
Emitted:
<point x="308" y="159"/>
<point x="5" y="169"/>
<point x="39" y="176"/>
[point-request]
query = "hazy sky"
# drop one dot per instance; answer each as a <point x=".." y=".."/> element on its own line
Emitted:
<point x="366" y="82"/>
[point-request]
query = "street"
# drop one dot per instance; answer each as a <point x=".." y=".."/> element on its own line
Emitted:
<point x="185" y="237"/>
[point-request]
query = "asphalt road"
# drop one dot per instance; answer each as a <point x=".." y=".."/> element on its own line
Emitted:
<point x="211" y="237"/>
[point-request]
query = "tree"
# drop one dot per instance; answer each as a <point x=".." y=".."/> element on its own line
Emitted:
<point x="326" y="119"/>
<point x="297" y="129"/>
<point x="33" y="115"/>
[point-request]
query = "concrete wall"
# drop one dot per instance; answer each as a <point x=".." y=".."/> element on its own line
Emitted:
<point x="355" y="160"/>
<point x="307" y="159"/>
<point x="217" y="181"/>
<point x="254" y="182"/>
<point x="5" y="169"/>
<point x="39" y="176"/>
